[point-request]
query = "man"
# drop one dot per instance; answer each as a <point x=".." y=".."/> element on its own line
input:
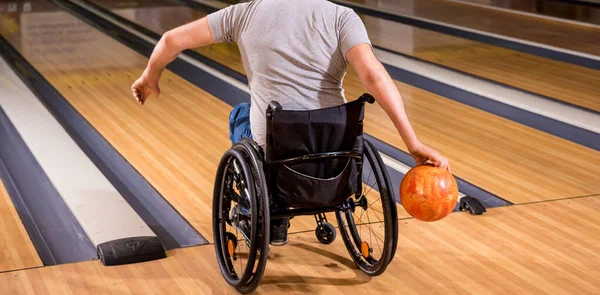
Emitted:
<point x="294" y="52"/>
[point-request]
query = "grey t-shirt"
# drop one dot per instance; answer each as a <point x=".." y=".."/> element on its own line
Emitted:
<point x="294" y="52"/>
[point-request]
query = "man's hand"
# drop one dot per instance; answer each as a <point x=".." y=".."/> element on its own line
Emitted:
<point x="422" y="153"/>
<point x="144" y="87"/>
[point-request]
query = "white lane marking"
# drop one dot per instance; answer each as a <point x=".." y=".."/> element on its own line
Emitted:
<point x="93" y="200"/>
<point x="516" y="40"/>
<point x="525" y="101"/>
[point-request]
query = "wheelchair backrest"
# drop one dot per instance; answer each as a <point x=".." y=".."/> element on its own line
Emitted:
<point x="298" y="133"/>
<point x="314" y="158"/>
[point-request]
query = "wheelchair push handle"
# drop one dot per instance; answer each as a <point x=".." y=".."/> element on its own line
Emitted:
<point x="367" y="98"/>
<point x="275" y="106"/>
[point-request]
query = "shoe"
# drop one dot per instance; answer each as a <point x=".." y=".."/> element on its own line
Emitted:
<point x="279" y="231"/>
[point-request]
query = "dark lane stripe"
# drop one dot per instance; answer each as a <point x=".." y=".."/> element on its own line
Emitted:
<point x="551" y="126"/>
<point x="170" y="227"/>
<point x="54" y="231"/>
<point x="479" y="37"/>
<point x="193" y="74"/>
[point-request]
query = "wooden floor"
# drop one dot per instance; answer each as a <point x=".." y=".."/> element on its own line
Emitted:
<point x="16" y="249"/>
<point x="542" y="248"/>
<point x="499" y="151"/>
<point x="176" y="140"/>
<point x="568" y="36"/>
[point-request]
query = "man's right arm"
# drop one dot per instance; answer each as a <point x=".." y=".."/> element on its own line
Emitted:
<point x="379" y="83"/>
<point x="220" y="26"/>
<point x="192" y="35"/>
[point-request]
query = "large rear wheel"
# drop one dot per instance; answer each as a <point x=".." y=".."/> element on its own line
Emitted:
<point x="369" y="227"/>
<point x="241" y="217"/>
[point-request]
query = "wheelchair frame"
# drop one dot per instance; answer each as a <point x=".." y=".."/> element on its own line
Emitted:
<point x="248" y="282"/>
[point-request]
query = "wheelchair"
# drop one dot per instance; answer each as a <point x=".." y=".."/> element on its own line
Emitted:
<point x="315" y="162"/>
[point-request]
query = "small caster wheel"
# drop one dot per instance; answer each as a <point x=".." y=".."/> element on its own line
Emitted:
<point x="325" y="233"/>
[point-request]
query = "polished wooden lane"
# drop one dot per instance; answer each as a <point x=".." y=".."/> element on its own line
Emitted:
<point x="16" y="249"/>
<point x="543" y="248"/>
<point x="545" y="31"/>
<point x="517" y="163"/>
<point x="552" y="8"/>
<point x="175" y="141"/>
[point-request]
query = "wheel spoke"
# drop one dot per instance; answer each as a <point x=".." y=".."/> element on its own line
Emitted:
<point x="369" y="219"/>
<point x="362" y="223"/>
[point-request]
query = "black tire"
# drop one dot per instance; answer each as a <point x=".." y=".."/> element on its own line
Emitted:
<point x="251" y="183"/>
<point x="358" y="241"/>
<point x="325" y="233"/>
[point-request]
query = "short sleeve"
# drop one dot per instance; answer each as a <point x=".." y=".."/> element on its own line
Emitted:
<point x="352" y="31"/>
<point x="225" y="24"/>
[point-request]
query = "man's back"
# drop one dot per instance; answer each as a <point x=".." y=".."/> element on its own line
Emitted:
<point x="293" y="52"/>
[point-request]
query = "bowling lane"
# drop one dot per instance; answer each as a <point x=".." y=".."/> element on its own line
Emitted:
<point x="548" y="248"/>
<point x="559" y="9"/>
<point x="175" y="141"/>
<point x="517" y="163"/>
<point x="545" y="31"/>
<point x="16" y="249"/>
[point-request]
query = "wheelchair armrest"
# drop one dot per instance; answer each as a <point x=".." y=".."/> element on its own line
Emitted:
<point x="275" y="106"/>
<point x="368" y="98"/>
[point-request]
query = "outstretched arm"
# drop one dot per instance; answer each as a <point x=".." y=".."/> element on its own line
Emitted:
<point x="379" y="83"/>
<point x="193" y="35"/>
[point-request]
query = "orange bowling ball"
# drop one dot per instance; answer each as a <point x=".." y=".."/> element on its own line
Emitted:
<point x="428" y="193"/>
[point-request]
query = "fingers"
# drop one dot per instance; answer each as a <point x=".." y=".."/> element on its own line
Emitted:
<point x="139" y="96"/>
<point x="427" y="154"/>
<point x="443" y="164"/>
<point x="439" y="161"/>
<point x="139" y="93"/>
